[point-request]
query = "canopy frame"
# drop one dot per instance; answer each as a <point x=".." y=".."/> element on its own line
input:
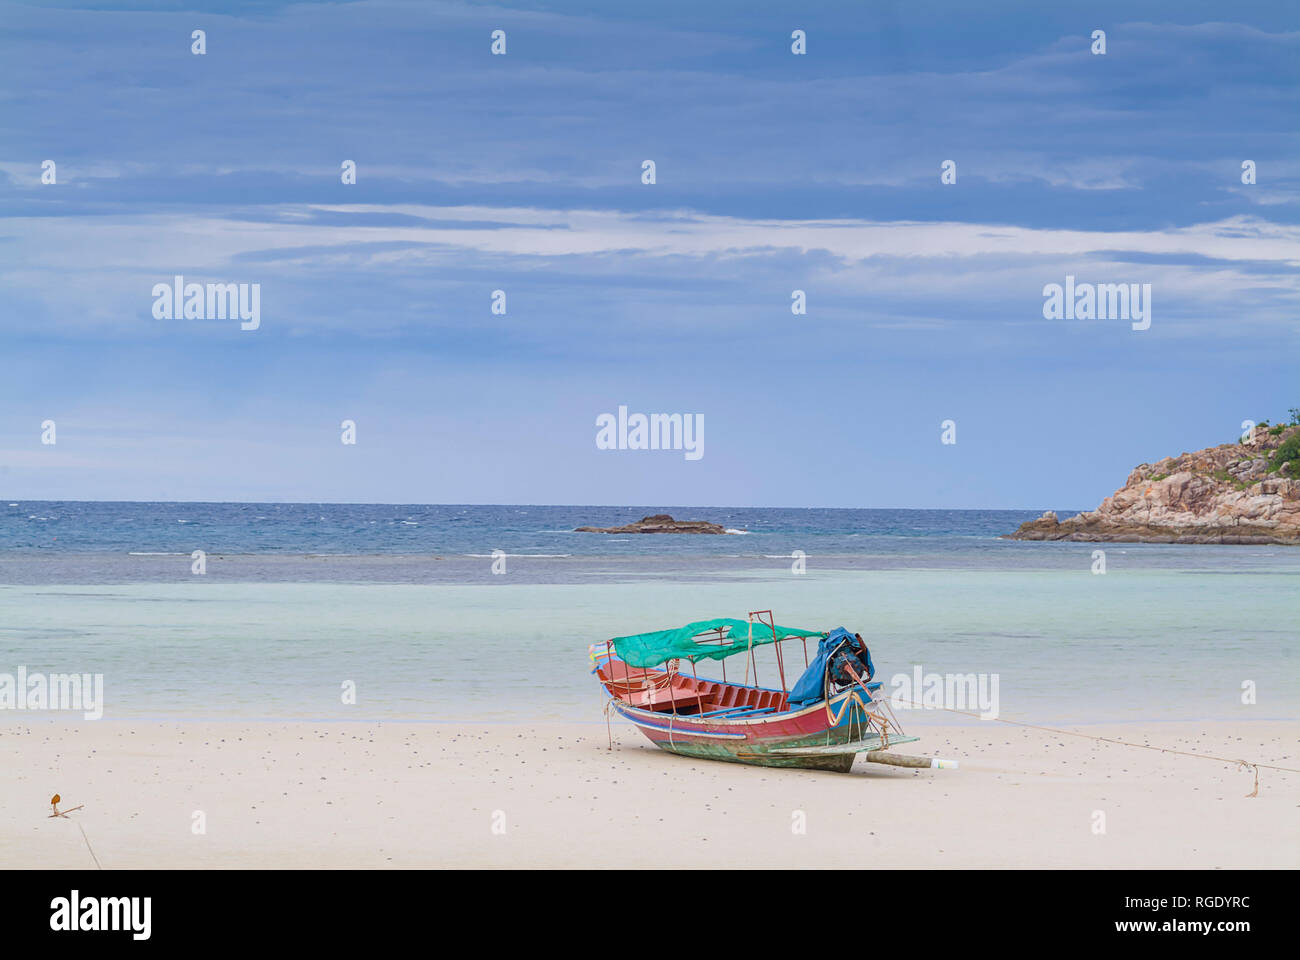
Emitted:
<point x="716" y="639"/>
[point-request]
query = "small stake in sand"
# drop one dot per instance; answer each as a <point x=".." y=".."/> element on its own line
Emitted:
<point x="55" y="801"/>
<point x="54" y="804"/>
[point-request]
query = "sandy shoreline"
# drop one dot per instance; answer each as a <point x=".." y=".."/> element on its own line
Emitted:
<point x="376" y="795"/>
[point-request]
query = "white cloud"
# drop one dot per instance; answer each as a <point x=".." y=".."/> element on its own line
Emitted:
<point x="158" y="241"/>
<point x="70" y="275"/>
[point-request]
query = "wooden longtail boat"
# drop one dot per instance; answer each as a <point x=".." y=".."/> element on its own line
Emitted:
<point x="821" y="723"/>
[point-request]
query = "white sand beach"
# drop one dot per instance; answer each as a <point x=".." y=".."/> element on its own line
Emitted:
<point x="374" y="795"/>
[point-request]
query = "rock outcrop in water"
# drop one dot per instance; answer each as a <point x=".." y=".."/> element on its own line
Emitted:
<point x="659" y="523"/>
<point x="1246" y="492"/>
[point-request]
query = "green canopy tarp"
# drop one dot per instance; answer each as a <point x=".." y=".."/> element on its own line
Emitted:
<point x="700" y="640"/>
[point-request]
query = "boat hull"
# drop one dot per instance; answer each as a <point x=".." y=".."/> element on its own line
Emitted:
<point x="762" y="742"/>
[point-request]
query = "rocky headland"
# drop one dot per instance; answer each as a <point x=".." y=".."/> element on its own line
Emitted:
<point x="1245" y="492"/>
<point x="659" y="523"/>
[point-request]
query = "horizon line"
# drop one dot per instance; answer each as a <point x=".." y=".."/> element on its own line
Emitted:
<point x="400" y="503"/>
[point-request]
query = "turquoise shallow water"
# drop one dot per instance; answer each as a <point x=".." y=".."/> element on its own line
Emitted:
<point x="1067" y="645"/>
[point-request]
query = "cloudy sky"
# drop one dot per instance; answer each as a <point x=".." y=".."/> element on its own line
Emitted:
<point x="523" y="173"/>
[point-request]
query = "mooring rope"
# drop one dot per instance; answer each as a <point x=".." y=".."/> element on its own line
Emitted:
<point x="1123" y="743"/>
<point x="88" y="846"/>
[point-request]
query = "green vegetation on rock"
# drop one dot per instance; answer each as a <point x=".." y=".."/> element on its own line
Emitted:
<point x="1288" y="452"/>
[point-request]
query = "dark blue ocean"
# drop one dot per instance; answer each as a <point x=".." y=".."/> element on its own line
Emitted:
<point x="358" y="529"/>
<point x="107" y="542"/>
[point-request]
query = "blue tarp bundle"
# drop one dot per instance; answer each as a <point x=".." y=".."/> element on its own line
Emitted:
<point x="811" y="687"/>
